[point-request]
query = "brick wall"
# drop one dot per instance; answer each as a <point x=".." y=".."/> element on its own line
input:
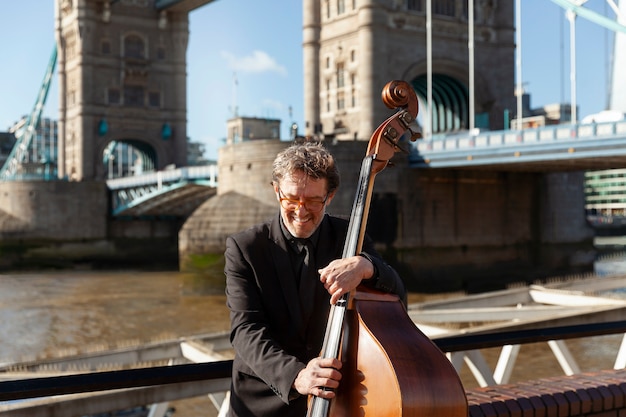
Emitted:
<point x="594" y="394"/>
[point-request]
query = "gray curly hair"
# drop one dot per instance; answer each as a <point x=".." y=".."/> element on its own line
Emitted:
<point x="311" y="158"/>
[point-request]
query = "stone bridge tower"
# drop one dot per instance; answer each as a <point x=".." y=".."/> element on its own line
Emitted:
<point x="351" y="49"/>
<point x="122" y="79"/>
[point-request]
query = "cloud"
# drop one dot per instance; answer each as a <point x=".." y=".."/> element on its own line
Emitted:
<point x="258" y="62"/>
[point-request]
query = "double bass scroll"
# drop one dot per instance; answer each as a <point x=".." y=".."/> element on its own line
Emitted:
<point x="389" y="367"/>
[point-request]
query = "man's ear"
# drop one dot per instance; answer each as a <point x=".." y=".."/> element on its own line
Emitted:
<point x="275" y="186"/>
<point x="330" y="197"/>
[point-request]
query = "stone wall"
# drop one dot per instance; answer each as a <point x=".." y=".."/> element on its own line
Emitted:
<point x="56" y="210"/>
<point x="435" y="225"/>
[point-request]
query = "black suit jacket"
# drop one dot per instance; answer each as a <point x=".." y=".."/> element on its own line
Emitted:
<point x="272" y="340"/>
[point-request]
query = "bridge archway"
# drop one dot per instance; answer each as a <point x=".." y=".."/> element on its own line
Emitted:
<point x="450" y="102"/>
<point x="451" y="96"/>
<point x="126" y="157"/>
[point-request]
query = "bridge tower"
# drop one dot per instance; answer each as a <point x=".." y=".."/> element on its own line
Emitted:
<point x="352" y="48"/>
<point x="122" y="79"/>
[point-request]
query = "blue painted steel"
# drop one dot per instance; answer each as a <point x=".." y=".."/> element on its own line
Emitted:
<point x="450" y="102"/>
<point x="549" y="143"/>
<point x="130" y="193"/>
<point x="24" y="137"/>
<point x="178" y="5"/>
<point x="591" y="15"/>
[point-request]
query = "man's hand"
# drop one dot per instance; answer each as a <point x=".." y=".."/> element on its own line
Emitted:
<point x="319" y="373"/>
<point x="344" y="275"/>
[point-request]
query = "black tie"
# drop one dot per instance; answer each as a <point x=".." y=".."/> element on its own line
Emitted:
<point x="308" y="278"/>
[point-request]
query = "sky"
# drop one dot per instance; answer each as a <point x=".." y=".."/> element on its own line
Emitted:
<point x="246" y="57"/>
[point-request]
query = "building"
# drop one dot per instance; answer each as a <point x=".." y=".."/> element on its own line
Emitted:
<point x="7" y="140"/>
<point x="351" y="49"/>
<point x="241" y="129"/>
<point x="605" y="197"/>
<point x="120" y="158"/>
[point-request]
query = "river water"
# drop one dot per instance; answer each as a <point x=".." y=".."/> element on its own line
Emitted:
<point x="65" y="312"/>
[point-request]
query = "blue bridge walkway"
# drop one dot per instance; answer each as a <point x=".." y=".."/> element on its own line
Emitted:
<point x="175" y="192"/>
<point x="555" y="148"/>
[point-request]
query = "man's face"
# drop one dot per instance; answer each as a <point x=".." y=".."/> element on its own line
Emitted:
<point x="304" y="203"/>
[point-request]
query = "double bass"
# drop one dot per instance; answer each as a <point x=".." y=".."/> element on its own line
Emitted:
<point x="389" y="367"/>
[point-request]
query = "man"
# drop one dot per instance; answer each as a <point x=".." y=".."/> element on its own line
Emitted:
<point x="278" y="316"/>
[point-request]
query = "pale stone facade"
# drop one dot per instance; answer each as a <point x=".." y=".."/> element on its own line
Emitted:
<point x="241" y="129"/>
<point x="122" y="77"/>
<point x="353" y="48"/>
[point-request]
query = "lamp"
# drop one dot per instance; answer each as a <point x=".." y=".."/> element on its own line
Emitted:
<point x="166" y="131"/>
<point x="103" y="127"/>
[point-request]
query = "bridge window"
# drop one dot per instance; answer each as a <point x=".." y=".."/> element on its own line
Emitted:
<point x="113" y="96"/>
<point x="160" y="53"/>
<point x="105" y="47"/>
<point x="154" y="99"/>
<point x="139" y="3"/>
<point x="70" y="45"/>
<point x="341" y="101"/>
<point x="444" y="7"/>
<point x="71" y="98"/>
<point x="417" y="5"/>
<point x="439" y="7"/>
<point x="341" y="82"/>
<point x="341" y="7"/>
<point x="134" y="47"/>
<point x="133" y="95"/>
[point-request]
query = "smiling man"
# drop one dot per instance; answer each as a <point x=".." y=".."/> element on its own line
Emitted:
<point x="281" y="278"/>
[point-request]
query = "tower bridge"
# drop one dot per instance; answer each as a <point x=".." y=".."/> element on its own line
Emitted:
<point x="121" y="69"/>
<point x="464" y="203"/>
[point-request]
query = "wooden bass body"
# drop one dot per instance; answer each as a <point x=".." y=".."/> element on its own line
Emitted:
<point x="390" y="367"/>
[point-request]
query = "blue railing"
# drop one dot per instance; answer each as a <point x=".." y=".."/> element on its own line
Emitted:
<point x="514" y="146"/>
<point x="135" y="194"/>
<point x="206" y="173"/>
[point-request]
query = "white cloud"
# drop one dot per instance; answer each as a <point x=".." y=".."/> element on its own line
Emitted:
<point x="273" y="104"/>
<point x="257" y="62"/>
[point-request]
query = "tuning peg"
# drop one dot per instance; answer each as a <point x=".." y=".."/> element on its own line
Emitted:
<point x="415" y="135"/>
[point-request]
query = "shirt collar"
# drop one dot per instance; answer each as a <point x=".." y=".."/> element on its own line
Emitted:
<point x="297" y="243"/>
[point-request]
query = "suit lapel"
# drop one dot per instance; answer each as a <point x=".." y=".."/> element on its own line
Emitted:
<point x="282" y="263"/>
<point x="324" y="254"/>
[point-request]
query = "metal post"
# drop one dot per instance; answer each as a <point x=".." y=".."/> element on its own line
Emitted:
<point x="429" y="71"/>
<point x="470" y="47"/>
<point x="518" y="33"/>
<point x="571" y="16"/>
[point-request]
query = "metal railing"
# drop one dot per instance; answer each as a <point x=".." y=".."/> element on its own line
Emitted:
<point x="221" y="370"/>
<point x="531" y="136"/>
<point x="202" y="172"/>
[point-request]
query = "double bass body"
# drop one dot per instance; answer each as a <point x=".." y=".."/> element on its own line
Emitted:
<point x="390" y="368"/>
